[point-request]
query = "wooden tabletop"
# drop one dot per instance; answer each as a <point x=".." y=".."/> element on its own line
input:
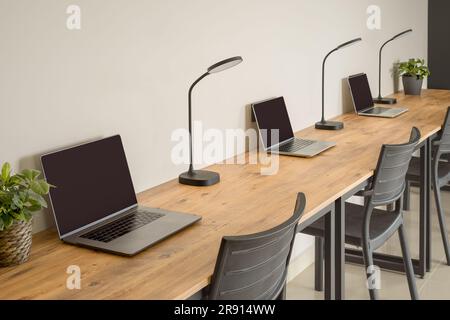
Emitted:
<point x="243" y="202"/>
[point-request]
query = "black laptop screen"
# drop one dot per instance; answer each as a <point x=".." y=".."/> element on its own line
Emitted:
<point x="360" y="90"/>
<point x="272" y="115"/>
<point x="92" y="181"/>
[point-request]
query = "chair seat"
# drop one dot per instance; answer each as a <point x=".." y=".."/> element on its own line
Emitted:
<point x="381" y="224"/>
<point x="414" y="170"/>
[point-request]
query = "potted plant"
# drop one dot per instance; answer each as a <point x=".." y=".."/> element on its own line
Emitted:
<point x="20" y="195"/>
<point x="413" y="72"/>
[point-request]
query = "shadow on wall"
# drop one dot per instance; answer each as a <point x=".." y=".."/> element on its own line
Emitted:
<point x="395" y="73"/>
<point x="250" y="124"/>
<point x="43" y="219"/>
<point x="347" y="103"/>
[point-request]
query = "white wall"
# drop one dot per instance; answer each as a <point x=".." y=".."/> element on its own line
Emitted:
<point x="128" y="69"/>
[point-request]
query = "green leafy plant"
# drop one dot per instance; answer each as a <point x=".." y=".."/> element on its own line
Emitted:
<point x="20" y="195"/>
<point x="414" y="68"/>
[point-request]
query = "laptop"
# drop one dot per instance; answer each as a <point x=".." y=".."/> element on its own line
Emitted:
<point x="276" y="131"/>
<point x="363" y="101"/>
<point x="94" y="202"/>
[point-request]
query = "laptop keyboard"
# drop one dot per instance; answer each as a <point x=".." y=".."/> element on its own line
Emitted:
<point x="377" y="110"/>
<point x="122" y="226"/>
<point x="295" y="145"/>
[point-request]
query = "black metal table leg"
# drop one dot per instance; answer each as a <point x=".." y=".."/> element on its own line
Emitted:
<point x="428" y="204"/>
<point x="339" y="241"/>
<point x="330" y="281"/>
<point x="318" y="267"/>
<point x="339" y="235"/>
<point x="327" y="214"/>
<point x="424" y="185"/>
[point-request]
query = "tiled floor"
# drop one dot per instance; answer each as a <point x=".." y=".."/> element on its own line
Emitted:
<point x="436" y="284"/>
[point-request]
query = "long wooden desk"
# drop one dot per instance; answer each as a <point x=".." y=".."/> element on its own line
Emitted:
<point x="243" y="202"/>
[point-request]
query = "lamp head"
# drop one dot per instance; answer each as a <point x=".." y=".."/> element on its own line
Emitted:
<point x="402" y="34"/>
<point x="225" y="64"/>
<point x="348" y="43"/>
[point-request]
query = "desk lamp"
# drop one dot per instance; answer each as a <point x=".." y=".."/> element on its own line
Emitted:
<point x="323" y="124"/>
<point x="380" y="99"/>
<point x="203" y="178"/>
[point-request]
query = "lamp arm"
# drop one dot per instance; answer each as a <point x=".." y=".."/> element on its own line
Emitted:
<point x="191" y="162"/>
<point x="323" y="83"/>
<point x="379" y="67"/>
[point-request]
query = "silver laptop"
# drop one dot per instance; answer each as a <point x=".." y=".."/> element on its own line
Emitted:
<point x="276" y="132"/>
<point x="94" y="202"/>
<point x="363" y="101"/>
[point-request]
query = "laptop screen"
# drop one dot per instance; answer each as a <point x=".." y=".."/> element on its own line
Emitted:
<point x="92" y="182"/>
<point x="360" y="90"/>
<point x="272" y="115"/>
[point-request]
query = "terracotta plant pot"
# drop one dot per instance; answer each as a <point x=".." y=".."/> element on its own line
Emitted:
<point x="412" y="85"/>
<point x="15" y="243"/>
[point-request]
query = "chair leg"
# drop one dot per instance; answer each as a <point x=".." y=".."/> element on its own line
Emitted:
<point x="368" y="261"/>
<point x="407" y="197"/>
<point x="442" y="222"/>
<point x="282" y="295"/>
<point x="318" y="266"/>
<point x="408" y="264"/>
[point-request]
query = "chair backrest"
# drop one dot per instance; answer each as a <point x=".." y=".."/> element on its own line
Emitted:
<point x="254" y="267"/>
<point x="389" y="179"/>
<point x="444" y="141"/>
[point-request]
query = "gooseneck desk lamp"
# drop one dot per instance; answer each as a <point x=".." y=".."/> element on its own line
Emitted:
<point x="323" y="124"/>
<point x="380" y="99"/>
<point x="202" y="178"/>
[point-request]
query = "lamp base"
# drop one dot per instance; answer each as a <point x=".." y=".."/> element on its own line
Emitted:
<point x="199" y="178"/>
<point x="384" y="100"/>
<point x="329" y="125"/>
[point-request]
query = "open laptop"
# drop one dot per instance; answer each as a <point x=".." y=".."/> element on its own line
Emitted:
<point x="363" y="101"/>
<point x="94" y="202"/>
<point x="276" y="132"/>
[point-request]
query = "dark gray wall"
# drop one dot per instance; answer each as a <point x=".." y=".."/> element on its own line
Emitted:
<point x="439" y="44"/>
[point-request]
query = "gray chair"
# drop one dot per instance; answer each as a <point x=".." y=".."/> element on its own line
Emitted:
<point x="440" y="177"/>
<point x="254" y="267"/>
<point x="370" y="228"/>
